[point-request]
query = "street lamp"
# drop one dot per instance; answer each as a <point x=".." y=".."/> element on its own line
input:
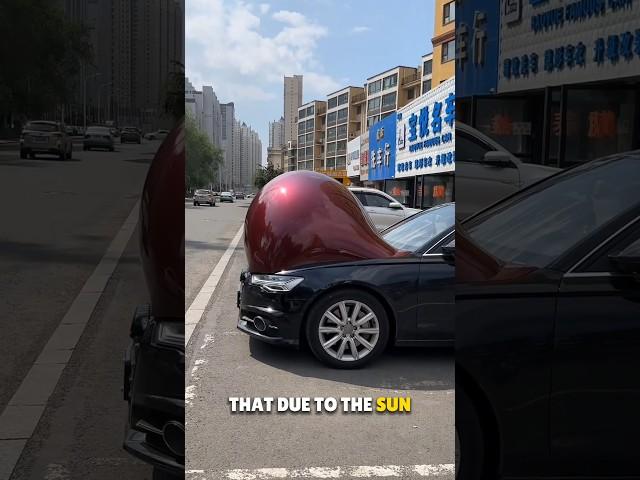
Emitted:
<point x="84" y="102"/>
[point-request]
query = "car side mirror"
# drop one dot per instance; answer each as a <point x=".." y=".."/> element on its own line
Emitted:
<point x="449" y="254"/>
<point x="628" y="260"/>
<point x="497" y="158"/>
<point x="396" y="205"/>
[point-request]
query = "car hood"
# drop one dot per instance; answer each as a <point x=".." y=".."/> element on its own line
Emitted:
<point x="530" y="173"/>
<point x="304" y="218"/>
<point x="412" y="211"/>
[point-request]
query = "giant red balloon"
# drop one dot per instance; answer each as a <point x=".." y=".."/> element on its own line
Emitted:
<point x="304" y="218"/>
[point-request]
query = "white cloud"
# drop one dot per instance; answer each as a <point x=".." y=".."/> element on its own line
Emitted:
<point x="320" y="84"/>
<point x="287" y="16"/>
<point x="360" y="29"/>
<point x="264" y="8"/>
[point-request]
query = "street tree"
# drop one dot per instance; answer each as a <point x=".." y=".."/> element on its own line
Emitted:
<point x="265" y="174"/>
<point x="203" y="159"/>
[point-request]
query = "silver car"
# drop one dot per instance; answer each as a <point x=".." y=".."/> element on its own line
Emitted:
<point x="98" y="137"/>
<point x="42" y="136"/>
<point x="383" y="209"/>
<point x="204" y="196"/>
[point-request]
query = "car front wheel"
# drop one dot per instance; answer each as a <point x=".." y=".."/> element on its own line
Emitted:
<point x="347" y="329"/>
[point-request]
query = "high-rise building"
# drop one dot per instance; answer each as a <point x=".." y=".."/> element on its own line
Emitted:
<point x="310" y="143"/>
<point x="227" y="112"/>
<point x="276" y="133"/>
<point x="292" y="101"/>
<point x="444" y="42"/>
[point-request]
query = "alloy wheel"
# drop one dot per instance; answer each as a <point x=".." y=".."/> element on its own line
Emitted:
<point x="349" y="330"/>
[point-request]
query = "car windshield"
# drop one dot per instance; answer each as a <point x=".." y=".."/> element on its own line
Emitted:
<point x="202" y="192"/>
<point x="98" y="130"/>
<point x="226" y="193"/>
<point x="544" y="222"/>
<point x="41" y="126"/>
<point x="418" y="230"/>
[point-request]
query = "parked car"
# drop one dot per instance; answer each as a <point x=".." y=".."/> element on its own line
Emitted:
<point x="486" y="172"/>
<point x="130" y="134"/>
<point x="226" y="197"/>
<point x="157" y="135"/>
<point x="337" y="284"/>
<point x="154" y="360"/>
<point x="239" y="195"/>
<point x="204" y="196"/>
<point x="98" y="137"/>
<point x="250" y="195"/>
<point x="383" y="209"/>
<point x="42" y="136"/>
<point x="547" y="330"/>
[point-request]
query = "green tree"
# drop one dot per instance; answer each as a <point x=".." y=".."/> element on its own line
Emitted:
<point x="202" y="158"/>
<point x="265" y="174"/>
<point x="41" y="53"/>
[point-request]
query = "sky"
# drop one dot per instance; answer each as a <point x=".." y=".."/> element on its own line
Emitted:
<point x="244" y="48"/>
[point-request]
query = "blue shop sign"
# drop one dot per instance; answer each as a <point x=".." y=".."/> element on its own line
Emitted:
<point x="382" y="149"/>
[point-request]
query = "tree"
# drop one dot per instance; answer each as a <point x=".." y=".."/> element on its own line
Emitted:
<point x="41" y="53"/>
<point x="202" y="158"/>
<point x="265" y="174"/>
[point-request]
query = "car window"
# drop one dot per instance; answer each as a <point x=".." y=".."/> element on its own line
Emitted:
<point x="41" y="127"/>
<point x="469" y="149"/>
<point x="543" y="223"/>
<point x="415" y="232"/>
<point x="599" y="261"/>
<point x="360" y="196"/>
<point x="375" y="200"/>
<point x="98" y="130"/>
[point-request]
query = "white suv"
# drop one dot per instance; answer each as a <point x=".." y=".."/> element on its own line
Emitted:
<point x="383" y="209"/>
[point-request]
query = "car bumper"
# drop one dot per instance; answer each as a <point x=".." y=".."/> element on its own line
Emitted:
<point x="129" y="139"/>
<point x="203" y="200"/>
<point x="41" y="147"/>
<point x="281" y="313"/>
<point x="97" y="144"/>
<point x="154" y="389"/>
<point x="226" y="199"/>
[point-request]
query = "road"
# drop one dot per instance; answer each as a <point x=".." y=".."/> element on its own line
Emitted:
<point x="223" y="363"/>
<point x="59" y="219"/>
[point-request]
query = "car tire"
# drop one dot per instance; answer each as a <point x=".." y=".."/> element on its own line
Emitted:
<point x="348" y="338"/>
<point x="23" y="154"/>
<point x="70" y="154"/>
<point x="212" y="204"/>
<point x="196" y="204"/>
<point x="62" y="155"/>
<point x="111" y="149"/>
<point x="159" y="474"/>
<point x="470" y="439"/>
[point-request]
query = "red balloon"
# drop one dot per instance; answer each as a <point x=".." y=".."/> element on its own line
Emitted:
<point x="304" y="218"/>
<point x="162" y="227"/>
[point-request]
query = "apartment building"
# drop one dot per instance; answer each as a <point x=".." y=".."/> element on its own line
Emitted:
<point x="427" y="72"/>
<point x="343" y="123"/>
<point x="311" y="133"/>
<point x="292" y="101"/>
<point x="276" y="133"/>
<point x="390" y="90"/>
<point x="444" y="42"/>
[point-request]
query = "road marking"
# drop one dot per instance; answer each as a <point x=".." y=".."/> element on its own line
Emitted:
<point x="441" y="470"/>
<point x="20" y="417"/>
<point x="196" y="311"/>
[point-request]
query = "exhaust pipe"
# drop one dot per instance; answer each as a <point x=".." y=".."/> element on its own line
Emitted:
<point x="259" y="323"/>
<point x="173" y="436"/>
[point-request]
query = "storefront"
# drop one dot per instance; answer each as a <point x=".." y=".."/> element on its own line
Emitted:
<point x="353" y="161"/>
<point x="425" y="149"/>
<point x="382" y="156"/>
<point x="568" y="81"/>
<point x="339" y="175"/>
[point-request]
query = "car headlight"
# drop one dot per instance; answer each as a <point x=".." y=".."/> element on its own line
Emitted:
<point x="275" y="283"/>
<point x="170" y="334"/>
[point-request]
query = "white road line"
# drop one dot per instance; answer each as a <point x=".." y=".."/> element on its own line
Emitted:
<point x="196" y="311"/>
<point x="442" y="470"/>
<point x="20" y="418"/>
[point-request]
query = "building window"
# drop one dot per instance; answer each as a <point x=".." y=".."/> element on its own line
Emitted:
<point x="390" y="81"/>
<point x="375" y="87"/>
<point x="372" y="120"/>
<point x="358" y="110"/>
<point x="448" y="13"/>
<point x="341" y="163"/>
<point x="331" y="149"/>
<point x="301" y="113"/>
<point x="344" y="98"/>
<point x="373" y="105"/>
<point x="309" y="152"/>
<point x="331" y="119"/>
<point x="341" y="147"/>
<point x="426" y="86"/>
<point x="332" y="103"/>
<point x="331" y="134"/>
<point x="310" y="125"/>
<point x="342" y="115"/>
<point x="342" y="132"/>
<point x="309" y="138"/>
<point x="427" y="67"/>
<point x="448" y="51"/>
<point x="330" y="163"/>
<point x="310" y="110"/>
<point x="410" y="94"/>
<point x="389" y="101"/>
<point x="301" y="140"/>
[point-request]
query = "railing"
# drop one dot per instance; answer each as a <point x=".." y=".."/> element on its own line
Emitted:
<point x="360" y="97"/>
<point x="411" y="78"/>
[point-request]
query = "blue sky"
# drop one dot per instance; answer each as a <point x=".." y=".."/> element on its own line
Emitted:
<point x="244" y="48"/>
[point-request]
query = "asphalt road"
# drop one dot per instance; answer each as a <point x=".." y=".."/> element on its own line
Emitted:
<point x="223" y="363"/>
<point x="59" y="218"/>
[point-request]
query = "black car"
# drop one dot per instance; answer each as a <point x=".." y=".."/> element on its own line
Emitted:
<point x="548" y="328"/>
<point x="130" y="135"/>
<point x="349" y="312"/>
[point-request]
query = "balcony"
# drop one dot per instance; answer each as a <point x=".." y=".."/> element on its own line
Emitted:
<point x="359" y="98"/>
<point x="411" y="80"/>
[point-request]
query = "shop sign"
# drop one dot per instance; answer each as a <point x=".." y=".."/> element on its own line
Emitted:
<point x="364" y="157"/>
<point x="353" y="157"/>
<point x="426" y="133"/>
<point x="564" y="42"/>
<point x="382" y="149"/>
<point x="333" y="173"/>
